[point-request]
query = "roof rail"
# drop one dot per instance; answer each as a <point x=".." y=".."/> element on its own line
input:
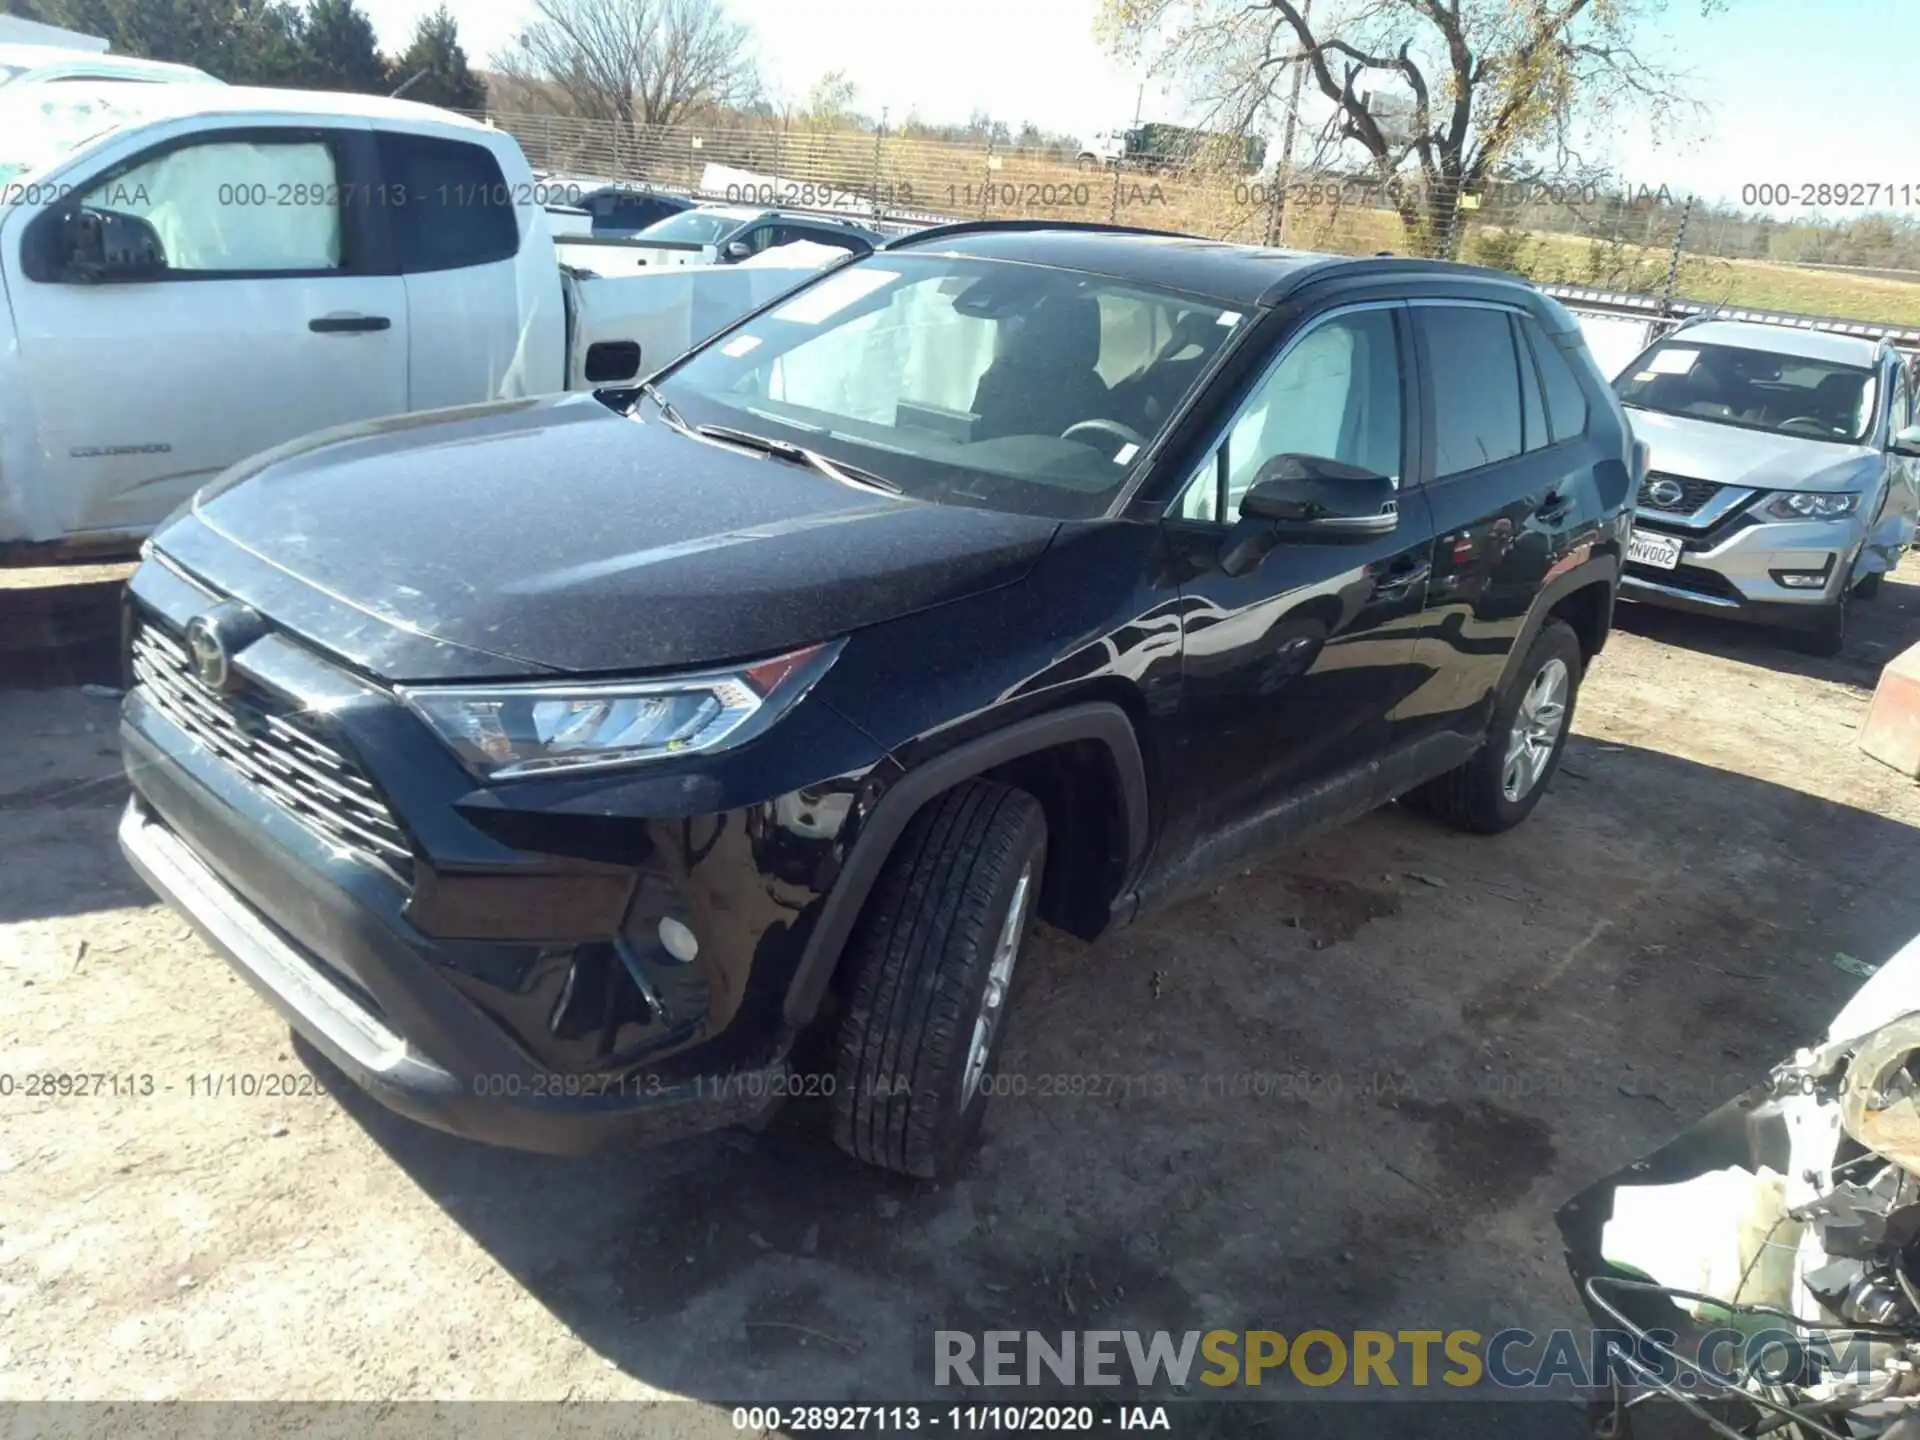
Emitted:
<point x="976" y="227"/>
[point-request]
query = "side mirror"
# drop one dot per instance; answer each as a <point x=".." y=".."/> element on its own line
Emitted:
<point x="105" y="247"/>
<point x="737" y="250"/>
<point x="1907" y="442"/>
<point x="1309" y="497"/>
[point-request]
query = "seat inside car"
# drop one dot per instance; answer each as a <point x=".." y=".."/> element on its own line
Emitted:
<point x="1043" y="380"/>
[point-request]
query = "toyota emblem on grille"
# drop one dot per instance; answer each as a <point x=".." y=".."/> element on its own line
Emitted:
<point x="1667" y="494"/>
<point x="215" y="637"/>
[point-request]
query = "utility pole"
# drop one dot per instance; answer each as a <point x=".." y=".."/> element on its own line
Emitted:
<point x="1277" y="202"/>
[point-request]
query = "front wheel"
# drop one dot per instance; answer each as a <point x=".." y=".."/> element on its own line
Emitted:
<point x="1501" y="784"/>
<point x="933" y="958"/>
<point x="1828" y="637"/>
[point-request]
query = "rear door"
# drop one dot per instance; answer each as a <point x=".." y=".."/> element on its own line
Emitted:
<point x="270" y="319"/>
<point x="1511" y="480"/>
<point x="485" y="320"/>
<point x="1291" y="669"/>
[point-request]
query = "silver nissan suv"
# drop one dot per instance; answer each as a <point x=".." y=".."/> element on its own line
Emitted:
<point x="1784" y="478"/>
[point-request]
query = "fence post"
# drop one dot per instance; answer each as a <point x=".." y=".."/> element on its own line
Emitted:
<point x="879" y="133"/>
<point x="1113" y="204"/>
<point x="1673" y="260"/>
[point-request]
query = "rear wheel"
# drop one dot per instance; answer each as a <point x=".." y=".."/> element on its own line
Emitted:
<point x="933" y="959"/>
<point x="1501" y="784"/>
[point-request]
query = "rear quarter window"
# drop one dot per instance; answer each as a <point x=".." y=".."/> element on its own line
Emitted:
<point x="448" y="203"/>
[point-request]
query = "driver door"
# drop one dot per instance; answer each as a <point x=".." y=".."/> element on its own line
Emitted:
<point x="1291" y="668"/>
<point x="266" y="322"/>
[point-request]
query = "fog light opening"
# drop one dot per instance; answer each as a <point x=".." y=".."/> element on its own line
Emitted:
<point x="678" y="941"/>
<point x="1803" y="579"/>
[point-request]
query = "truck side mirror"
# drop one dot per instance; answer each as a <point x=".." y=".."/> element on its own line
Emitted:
<point x="1907" y="442"/>
<point x="737" y="250"/>
<point x="106" y="247"/>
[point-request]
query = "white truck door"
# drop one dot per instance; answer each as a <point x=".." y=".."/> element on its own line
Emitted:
<point x="485" y="319"/>
<point x="263" y="323"/>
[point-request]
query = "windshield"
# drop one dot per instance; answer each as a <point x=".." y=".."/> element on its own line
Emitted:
<point x="39" y="124"/>
<point x="1753" y="389"/>
<point x="692" y="227"/>
<point x="971" y="382"/>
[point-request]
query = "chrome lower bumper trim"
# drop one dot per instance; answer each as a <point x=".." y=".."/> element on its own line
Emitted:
<point x="1634" y="582"/>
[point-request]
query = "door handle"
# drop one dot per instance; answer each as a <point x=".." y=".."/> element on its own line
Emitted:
<point x="1400" y="578"/>
<point x="349" y="324"/>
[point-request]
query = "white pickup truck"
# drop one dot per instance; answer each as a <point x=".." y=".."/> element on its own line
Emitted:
<point x="190" y="274"/>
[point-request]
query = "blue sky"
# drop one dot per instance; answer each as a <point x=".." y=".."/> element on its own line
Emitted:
<point x="1796" y="90"/>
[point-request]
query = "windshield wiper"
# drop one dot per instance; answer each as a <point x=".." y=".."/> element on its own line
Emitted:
<point x="799" y="455"/>
<point x="667" y="412"/>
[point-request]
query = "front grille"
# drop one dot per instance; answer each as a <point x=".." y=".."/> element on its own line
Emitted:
<point x="1694" y="493"/>
<point x="258" y="736"/>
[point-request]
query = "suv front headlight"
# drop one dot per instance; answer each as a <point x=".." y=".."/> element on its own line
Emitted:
<point x="500" y="732"/>
<point x="1810" y="505"/>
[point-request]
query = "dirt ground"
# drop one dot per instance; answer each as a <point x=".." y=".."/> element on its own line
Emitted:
<point x="1488" y="1026"/>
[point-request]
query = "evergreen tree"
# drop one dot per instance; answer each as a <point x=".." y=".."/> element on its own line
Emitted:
<point x="337" y="49"/>
<point x="436" y="56"/>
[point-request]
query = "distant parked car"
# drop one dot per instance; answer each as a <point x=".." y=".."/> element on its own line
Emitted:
<point x="620" y="209"/>
<point x="47" y="64"/>
<point x="1785" y="474"/>
<point x="727" y="234"/>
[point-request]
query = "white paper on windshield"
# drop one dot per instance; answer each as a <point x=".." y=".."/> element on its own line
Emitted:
<point x="1127" y="452"/>
<point x="834" y="294"/>
<point x="740" y="345"/>
<point x="1673" y="362"/>
<point x="1228" y="317"/>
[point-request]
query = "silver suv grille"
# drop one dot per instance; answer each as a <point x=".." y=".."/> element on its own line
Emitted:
<point x="1657" y="493"/>
<point x="254" y="733"/>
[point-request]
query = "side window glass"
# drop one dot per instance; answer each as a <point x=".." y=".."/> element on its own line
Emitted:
<point x="1476" y="386"/>
<point x="218" y="207"/>
<point x="1533" y="411"/>
<point x="1335" y="394"/>
<point x="1201" y="498"/>
<point x="1566" y="401"/>
<point x="1899" y="409"/>
<point x="450" y="205"/>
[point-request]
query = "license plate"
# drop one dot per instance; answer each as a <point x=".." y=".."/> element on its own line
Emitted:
<point x="1659" y="551"/>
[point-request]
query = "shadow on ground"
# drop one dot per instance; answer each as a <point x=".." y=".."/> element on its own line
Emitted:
<point x="1878" y="630"/>
<point x="1454" y="1035"/>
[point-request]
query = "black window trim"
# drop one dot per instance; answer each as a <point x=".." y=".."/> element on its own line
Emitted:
<point x="362" y="248"/>
<point x="1413" y="466"/>
<point x="1428" y="407"/>
<point x="1555" y="438"/>
<point x="1530" y="365"/>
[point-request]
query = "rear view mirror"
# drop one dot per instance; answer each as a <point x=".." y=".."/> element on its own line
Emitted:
<point x="1310" y="493"/>
<point x="1309" y="497"/>
<point x="1907" y="442"/>
<point x="105" y="246"/>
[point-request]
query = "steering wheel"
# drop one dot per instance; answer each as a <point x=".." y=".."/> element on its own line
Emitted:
<point x="1825" y="425"/>
<point x="1125" y="433"/>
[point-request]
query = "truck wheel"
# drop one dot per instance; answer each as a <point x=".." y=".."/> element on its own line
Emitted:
<point x="1504" y="780"/>
<point x="932" y="959"/>
<point x="1868" y="587"/>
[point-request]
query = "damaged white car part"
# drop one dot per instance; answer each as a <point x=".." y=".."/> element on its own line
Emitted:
<point x="1762" y="1270"/>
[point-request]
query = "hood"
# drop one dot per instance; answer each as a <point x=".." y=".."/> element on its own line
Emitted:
<point x="1756" y="459"/>
<point x="562" y="536"/>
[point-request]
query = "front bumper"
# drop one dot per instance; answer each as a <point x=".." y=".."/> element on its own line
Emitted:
<point x="503" y="976"/>
<point x="452" y="1086"/>
<point x="1736" y="573"/>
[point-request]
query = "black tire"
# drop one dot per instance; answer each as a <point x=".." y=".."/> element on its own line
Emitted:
<point x="920" y="957"/>
<point x="1868" y="587"/>
<point x="1828" y="637"/>
<point x="1473" y="795"/>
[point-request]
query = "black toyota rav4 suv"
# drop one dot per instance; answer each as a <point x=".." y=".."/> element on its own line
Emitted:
<point x="557" y="765"/>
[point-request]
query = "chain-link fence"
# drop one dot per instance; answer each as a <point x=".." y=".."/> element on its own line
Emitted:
<point x="1640" y="238"/>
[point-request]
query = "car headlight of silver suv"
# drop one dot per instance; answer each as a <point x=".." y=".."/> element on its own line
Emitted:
<point x="1810" y="505"/>
<point x="500" y="732"/>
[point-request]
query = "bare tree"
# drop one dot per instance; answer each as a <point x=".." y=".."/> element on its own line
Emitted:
<point x="1438" y="97"/>
<point x="649" y="62"/>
